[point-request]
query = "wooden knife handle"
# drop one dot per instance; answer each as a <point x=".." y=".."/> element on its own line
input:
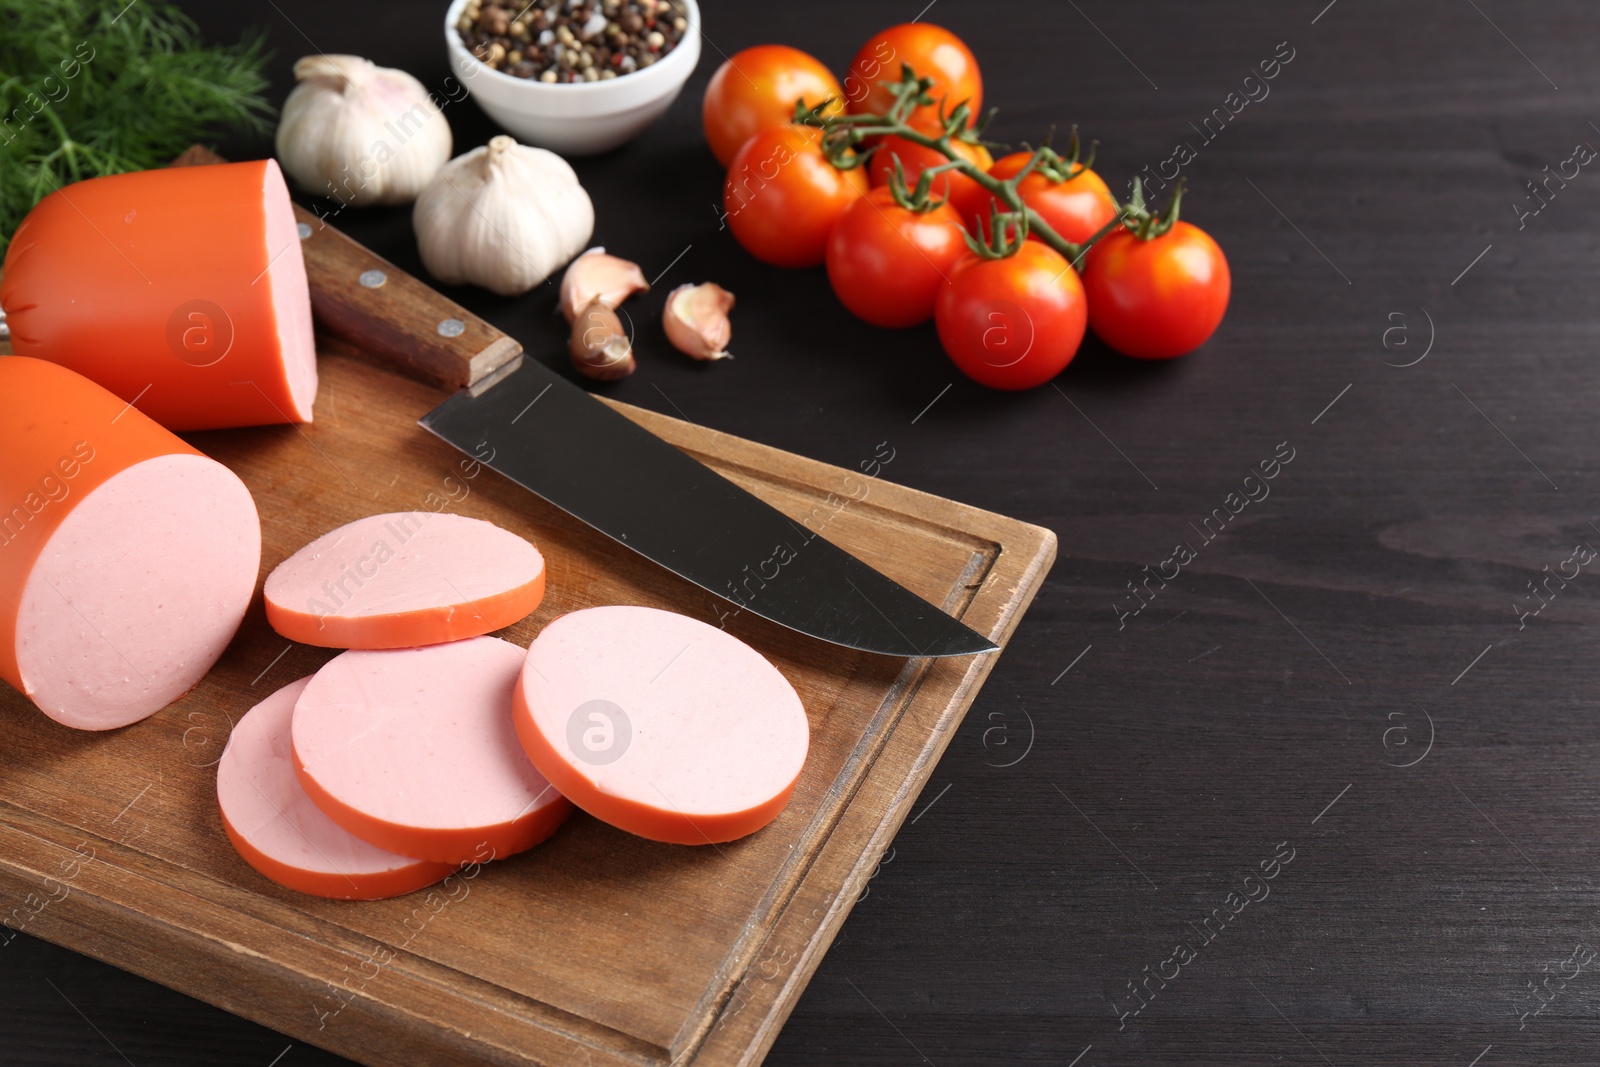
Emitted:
<point x="368" y="301"/>
<point x="364" y="299"/>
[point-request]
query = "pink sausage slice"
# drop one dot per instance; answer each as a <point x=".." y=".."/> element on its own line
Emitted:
<point x="413" y="750"/>
<point x="281" y="833"/>
<point x="660" y="724"/>
<point x="127" y="558"/>
<point x="405" y="579"/>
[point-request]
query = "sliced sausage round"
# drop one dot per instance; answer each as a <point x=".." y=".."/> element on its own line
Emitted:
<point x="413" y="750"/>
<point x="278" y="830"/>
<point x="660" y="724"/>
<point x="127" y="558"/>
<point x="404" y="579"/>
<point x="182" y="290"/>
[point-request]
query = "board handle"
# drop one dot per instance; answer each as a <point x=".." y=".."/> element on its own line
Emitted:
<point x="364" y="299"/>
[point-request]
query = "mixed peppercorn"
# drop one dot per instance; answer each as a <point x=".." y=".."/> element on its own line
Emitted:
<point x="571" y="40"/>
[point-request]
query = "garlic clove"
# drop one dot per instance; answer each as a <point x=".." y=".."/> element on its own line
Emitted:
<point x="696" y="320"/>
<point x="596" y="275"/>
<point x="360" y="133"/>
<point x="505" y="216"/>
<point x="599" y="347"/>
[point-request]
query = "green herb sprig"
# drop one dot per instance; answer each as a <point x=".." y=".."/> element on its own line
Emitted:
<point x="95" y="87"/>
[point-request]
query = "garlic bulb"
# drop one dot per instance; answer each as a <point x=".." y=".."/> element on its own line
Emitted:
<point x="504" y="217"/>
<point x="361" y="133"/>
<point x="596" y="275"/>
<point x="696" y="320"/>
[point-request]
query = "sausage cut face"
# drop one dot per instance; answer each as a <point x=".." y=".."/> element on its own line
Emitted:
<point x="413" y="750"/>
<point x="127" y="558"/>
<point x="138" y="592"/>
<point x="660" y="724"/>
<point x="405" y="579"/>
<point x="279" y="831"/>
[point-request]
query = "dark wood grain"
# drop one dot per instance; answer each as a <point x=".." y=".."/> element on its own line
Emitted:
<point x="1009" y="917"/>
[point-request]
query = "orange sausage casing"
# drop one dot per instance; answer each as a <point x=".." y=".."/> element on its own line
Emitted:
<point x="127" y="557"/>
<point x="50" y="464"/>
<point x="182" y="290"/>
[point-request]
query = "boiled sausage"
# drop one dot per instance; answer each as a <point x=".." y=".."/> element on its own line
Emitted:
<point x="127" y="558"/>
<point x="660" y="724"/>
<point x="182" y="290"/>
<point x="412" y="578"/>
<point x="281" y="833"/>
<point x="413" y="750"/>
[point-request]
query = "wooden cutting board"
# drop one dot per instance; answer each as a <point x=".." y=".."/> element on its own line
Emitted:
<point x="595" y="948"/>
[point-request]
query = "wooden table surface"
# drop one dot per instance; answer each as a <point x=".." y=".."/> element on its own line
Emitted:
<point x="1329" y="797"/>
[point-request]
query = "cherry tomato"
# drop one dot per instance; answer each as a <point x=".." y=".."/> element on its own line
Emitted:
<point x="1075" y="208"/>
<point x="1160" y="298"/>
<point x="782" y="196"/>
<point x="887" y="263"/>
<point x="758" y="88"/>
<point x="1012" y="323"/>
<point x="914" y="159"/>
<point x="933" y="52"/>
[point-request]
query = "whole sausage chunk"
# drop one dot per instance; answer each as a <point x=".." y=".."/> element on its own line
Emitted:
<point x="182" y="290"/>
<point x="127" y="558"/>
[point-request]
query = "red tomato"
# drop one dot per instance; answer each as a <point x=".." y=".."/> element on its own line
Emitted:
<point x="933" y="52"/>
<point x="887" y="263"/>
<point x="758" y="88"/>
<point x="1012" y="323"/>
<point x="1075" y="208"/>
<point x="915" y="158"/>
<point x="782" y="196"/>
<point x="1160" y="298"/>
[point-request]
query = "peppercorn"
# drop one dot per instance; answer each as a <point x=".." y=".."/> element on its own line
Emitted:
<point x="570" y="40"/>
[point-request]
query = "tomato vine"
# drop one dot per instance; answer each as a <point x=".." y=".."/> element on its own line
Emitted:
<point x="844" y="137"/>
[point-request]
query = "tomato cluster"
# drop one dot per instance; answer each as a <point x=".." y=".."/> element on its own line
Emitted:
<point x="902" y="247"/>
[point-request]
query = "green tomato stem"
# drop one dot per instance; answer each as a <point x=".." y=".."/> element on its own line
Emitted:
<point x="849" y="131"/>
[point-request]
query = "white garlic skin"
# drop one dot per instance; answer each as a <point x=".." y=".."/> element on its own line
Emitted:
<point x="361" y="133"/>
<point x="505" y="216"/>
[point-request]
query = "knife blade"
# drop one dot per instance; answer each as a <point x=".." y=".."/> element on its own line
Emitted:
<point x="549" y="435"/>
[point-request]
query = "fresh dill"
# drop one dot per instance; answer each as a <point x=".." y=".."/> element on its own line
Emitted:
<point x="95" y="87"/>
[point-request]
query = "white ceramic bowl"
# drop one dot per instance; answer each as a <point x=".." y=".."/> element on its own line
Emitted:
<point x="577" y="118"/>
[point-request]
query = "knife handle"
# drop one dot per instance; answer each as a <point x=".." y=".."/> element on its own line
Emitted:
<point x="364" y="299"/>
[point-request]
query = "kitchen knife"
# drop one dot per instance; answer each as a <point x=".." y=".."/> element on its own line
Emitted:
<point x="549" y="435"/>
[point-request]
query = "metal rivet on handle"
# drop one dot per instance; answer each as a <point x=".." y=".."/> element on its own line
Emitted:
<point x="303" y="229"/>
<point x="452" y="328"/>
<point x="372" y="278"/>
